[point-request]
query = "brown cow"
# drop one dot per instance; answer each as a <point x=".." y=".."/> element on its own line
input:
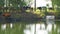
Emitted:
<point x="6" y="14"/>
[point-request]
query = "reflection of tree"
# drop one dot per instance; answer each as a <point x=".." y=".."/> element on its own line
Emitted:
<point x="22" y="28"/>
<point x="18" y="28"/>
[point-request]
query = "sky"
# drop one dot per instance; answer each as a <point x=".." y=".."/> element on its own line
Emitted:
<point x="41" y="3"/>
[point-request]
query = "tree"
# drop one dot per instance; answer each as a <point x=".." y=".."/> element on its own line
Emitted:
<point x="17" y="4"/>
<point x="1" y="3"/>
<point x="57" y="3"/>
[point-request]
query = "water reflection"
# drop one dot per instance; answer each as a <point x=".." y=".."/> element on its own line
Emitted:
<point x="40" y="29"/>
<point x="36" y="28"/>
<point x="11" y="25"/>
<point x="50" y="19"/>
<point x="3" y="26"/>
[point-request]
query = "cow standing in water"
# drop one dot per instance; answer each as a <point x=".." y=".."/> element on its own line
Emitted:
<point x="7" y="17"/>
<point x="7" y="21"/>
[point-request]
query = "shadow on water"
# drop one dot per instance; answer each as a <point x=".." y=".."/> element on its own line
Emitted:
<point x="19" y="20"/>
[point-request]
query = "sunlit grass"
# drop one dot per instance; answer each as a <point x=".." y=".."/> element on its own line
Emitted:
<point x="37" y="12"/>
<point x="28" y="10"/>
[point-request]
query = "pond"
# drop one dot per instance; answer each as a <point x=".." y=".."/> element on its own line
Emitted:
<point x="40" y="27"/>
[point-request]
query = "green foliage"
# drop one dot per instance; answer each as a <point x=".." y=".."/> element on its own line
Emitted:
<point x="1" y="2"/>
<point x="57" y="2"/>
<point x="15" y="3"/>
